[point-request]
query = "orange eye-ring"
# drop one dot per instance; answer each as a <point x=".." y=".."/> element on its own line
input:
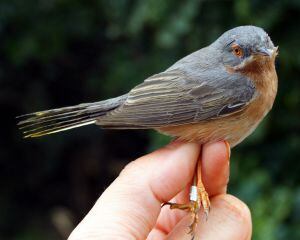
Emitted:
<point x="237" y="51"/>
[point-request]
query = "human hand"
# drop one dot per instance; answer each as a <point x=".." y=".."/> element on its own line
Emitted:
<point x="130" y="208"/>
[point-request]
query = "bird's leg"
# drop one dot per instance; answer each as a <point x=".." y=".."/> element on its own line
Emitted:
<point x="203" y="197"/>
<point x="198" y="198"/>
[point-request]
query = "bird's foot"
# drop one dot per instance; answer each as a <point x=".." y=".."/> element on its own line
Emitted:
<point x="198" y="198"/>
<point x="192" y="207"/>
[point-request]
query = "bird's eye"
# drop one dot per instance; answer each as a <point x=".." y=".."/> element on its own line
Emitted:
<point x="237" y="51"/>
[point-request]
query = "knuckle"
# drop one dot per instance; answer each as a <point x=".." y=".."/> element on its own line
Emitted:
<point x="132" y="169"/>
<point x="238" y="209"/>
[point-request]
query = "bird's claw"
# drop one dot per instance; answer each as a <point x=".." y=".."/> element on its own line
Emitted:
<point x="177" y="206"/>
<point x="194" y="207"/>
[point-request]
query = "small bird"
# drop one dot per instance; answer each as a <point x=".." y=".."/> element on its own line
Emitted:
<point x="220" y="92"/>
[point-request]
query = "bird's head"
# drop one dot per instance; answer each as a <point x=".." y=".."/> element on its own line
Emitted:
<point x="246" y="48"/>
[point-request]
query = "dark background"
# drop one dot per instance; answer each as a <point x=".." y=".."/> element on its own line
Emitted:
<point x="63" y="52"/>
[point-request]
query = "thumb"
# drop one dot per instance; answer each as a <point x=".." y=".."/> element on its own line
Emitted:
<point x="229" y="219"/>
<point x="129" y="208"/>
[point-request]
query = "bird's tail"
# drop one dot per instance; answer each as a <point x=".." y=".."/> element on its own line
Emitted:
<point x="60" y="119"/>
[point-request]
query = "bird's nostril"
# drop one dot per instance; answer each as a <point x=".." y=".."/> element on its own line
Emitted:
<point x="264" y="51"/>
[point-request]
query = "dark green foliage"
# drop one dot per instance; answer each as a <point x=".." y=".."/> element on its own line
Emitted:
<point x="56" y="53"/>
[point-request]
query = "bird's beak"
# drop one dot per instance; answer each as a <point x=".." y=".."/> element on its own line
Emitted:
<point x="268" y="52"/>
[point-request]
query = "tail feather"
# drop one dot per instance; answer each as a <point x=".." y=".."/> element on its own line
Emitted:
<point x="56" y="129"/>
<point x="41" y="126"/>
<point x="60" y="119"/>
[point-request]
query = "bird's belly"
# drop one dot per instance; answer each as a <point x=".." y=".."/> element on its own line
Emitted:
<point x="211" y="132"/>
<point x="234" y="128"/>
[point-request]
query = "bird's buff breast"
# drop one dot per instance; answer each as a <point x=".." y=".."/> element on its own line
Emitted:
<point x="236" y="127"/>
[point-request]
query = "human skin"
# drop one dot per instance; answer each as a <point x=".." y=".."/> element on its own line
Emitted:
<point x="130" y="208"/>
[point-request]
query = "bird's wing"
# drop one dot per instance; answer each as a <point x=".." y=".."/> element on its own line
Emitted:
<point x="174" y="98"/>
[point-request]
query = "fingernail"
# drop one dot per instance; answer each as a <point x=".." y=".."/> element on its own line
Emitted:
<point x="227" y="149"/>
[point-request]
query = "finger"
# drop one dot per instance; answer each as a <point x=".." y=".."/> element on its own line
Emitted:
<point x="229" y="219"/>
<point x="215" y="167"/>
<point x="130" y="206"/>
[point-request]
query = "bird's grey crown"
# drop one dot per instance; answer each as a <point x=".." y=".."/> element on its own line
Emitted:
<point x="246" y="36"/>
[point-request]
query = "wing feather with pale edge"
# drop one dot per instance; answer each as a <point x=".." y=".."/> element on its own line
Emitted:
<point x="175" y="98"/>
